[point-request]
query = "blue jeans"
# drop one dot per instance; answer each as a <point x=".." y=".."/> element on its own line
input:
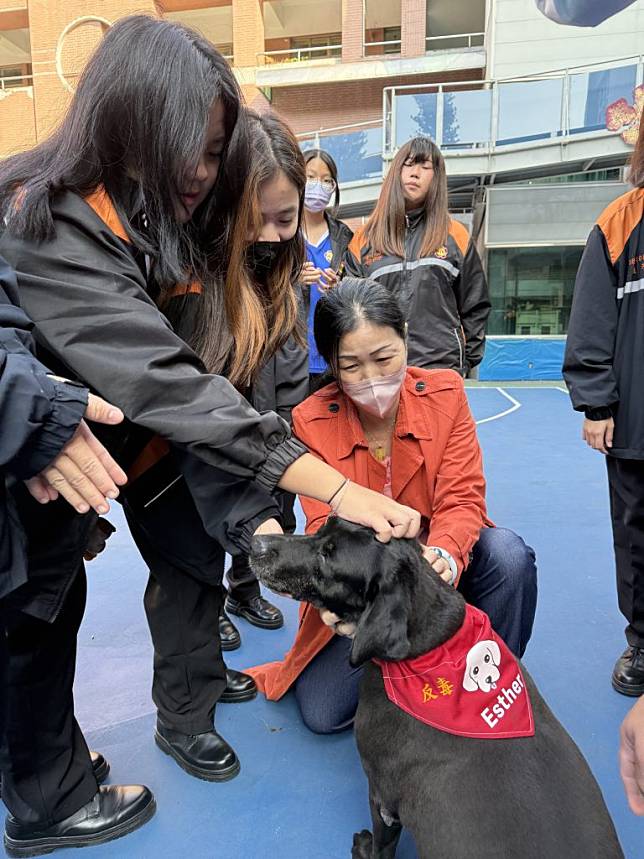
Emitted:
<point x="501" y="580"/>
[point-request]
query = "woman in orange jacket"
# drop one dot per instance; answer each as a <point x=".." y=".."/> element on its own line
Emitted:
<point x="409" y="434"/>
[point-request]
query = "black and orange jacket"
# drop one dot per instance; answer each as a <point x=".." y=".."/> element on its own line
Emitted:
<point x="604" y="359"/>
<point x="88" y="294"/>
<point x="445" y="295"/>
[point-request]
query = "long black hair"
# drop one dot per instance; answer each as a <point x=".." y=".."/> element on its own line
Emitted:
<point x="137" y="126"/>
<point x="341" y="310"/>
<point x="324" y="156"/>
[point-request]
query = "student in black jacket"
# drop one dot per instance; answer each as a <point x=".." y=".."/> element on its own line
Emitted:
<point x="45" y="448"/>
<point x="427" y="259"/>
<point x="603" y="368"/>
<point x="103" y="219"/>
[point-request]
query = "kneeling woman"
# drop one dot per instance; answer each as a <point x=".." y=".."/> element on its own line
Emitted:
<point x="409" y="434"/>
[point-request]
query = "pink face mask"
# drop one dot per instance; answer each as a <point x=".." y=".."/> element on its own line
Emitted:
<point x="376" y="396"/>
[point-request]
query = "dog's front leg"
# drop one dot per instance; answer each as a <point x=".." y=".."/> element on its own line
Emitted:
<point x="386" y="834"/>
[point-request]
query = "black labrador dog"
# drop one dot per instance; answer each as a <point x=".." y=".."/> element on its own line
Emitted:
<point x="462" y="798"/>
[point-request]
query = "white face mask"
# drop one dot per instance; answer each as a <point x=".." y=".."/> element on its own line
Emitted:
<point x="376" y="396"/>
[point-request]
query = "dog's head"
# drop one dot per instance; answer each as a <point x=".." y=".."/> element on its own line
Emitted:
<point x="346" y="570"/>
<point x="481" y="667"/>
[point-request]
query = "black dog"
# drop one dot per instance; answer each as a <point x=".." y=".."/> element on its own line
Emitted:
<point x="462" y="798"/>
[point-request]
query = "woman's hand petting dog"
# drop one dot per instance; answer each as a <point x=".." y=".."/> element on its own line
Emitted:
<point x="439" y="564"/>
<point x="270" y="526"/>
<point x="339" y="626"/>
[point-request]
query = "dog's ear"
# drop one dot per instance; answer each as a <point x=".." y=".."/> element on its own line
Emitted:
<point x="495" y="652"/>
<point x="382" y="631"/>
<point x="469" y="684"/>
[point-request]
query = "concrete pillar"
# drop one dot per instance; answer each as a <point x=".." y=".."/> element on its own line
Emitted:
<point x="47" y="22"/>
<point x="412" y="27"/>
<point x="352" y="30"/>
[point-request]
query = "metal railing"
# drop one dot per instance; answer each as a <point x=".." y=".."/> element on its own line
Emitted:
<point x="386" y="44"/>
<point x="298" y="55"/>
<point x="14" y="82"/>
<point x="356" y="148"/>
<point x="519" y="111"/>
<point x="470" y="40"/>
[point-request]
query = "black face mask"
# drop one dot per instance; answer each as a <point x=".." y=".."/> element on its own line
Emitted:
<point x="262" y="257"/>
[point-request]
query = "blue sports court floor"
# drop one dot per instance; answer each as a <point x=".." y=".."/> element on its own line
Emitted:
<point x="301" y="796"/>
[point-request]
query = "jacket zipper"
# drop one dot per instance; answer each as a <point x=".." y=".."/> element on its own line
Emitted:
<point x="460" y="347"/>
<point x="407" y="290"/>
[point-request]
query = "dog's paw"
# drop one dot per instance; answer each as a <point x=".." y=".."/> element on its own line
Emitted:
<point x="362" y="845"/>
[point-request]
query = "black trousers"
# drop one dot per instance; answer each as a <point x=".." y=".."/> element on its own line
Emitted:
<point x="182" y="602"/>
<point x="626" y="484"/>
<point x="242" y="582"/>
<point x="46" y="768"/>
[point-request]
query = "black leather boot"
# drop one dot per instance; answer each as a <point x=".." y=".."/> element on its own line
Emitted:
<point x="207" y="756"/>
<point x="239" y="687"/>
<point x="256" y="610"/>
<point x="228" y="632"/>
<point x="628" y="673"/>
<point x="113" y="812"/>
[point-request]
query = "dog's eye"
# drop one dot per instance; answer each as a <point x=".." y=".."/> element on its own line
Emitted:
<point x="475" y="671"/>
<point x="487" y="657"/>
<point x="321" y="557"/>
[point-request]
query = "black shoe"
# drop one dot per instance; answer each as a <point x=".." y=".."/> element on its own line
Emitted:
<point x="207" y="756"/>
<point x="239" y="687"/>
<point x="228" y="632"/>
<point x="257" y="611"/>
<point x="628" y="673"/>
<point x="114" y="811"/>
<point x="99" y="765"/>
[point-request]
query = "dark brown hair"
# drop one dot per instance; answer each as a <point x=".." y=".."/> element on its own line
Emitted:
<point x="385" y="229"/>
<point x="252" y="318"/>
<point x="636" y="175"/>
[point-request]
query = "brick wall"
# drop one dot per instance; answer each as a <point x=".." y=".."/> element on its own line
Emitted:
<point x="315" y="106"/>
<point x="352" y="30"/>
<point x="47" y="20"/>
<point x="17" y="121"/>
<point x="412" y="27"/>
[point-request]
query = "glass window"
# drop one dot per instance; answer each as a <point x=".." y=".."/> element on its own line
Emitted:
<point x="592" y="92"/>
<point x="415" y="114"/>
<point x="529" y="110"/>
<point x="531" y="289"/>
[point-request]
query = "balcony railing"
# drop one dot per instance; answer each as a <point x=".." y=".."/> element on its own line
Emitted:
<point x="13" y="82"/>
<point x="299" y="55"/>
<point x="389" y="43"/>
<point x="449" y="43"/>
<point x="488" y="115"/>
<point x="356" y="149"/>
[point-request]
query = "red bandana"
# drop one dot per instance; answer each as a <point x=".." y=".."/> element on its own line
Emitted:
<point x="471" y="685"/>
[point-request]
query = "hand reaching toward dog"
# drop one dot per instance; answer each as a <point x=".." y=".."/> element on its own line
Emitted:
<point x="339" y="626"/>
<point x="84" y="473"/>
<point x="631" y="757"/>
<point x="271" y="526"/>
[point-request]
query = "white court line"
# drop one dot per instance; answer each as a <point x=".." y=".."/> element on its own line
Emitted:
<point x="515" y="405"/>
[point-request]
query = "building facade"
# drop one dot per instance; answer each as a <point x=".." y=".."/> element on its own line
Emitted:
<point x="536" y="120"/>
